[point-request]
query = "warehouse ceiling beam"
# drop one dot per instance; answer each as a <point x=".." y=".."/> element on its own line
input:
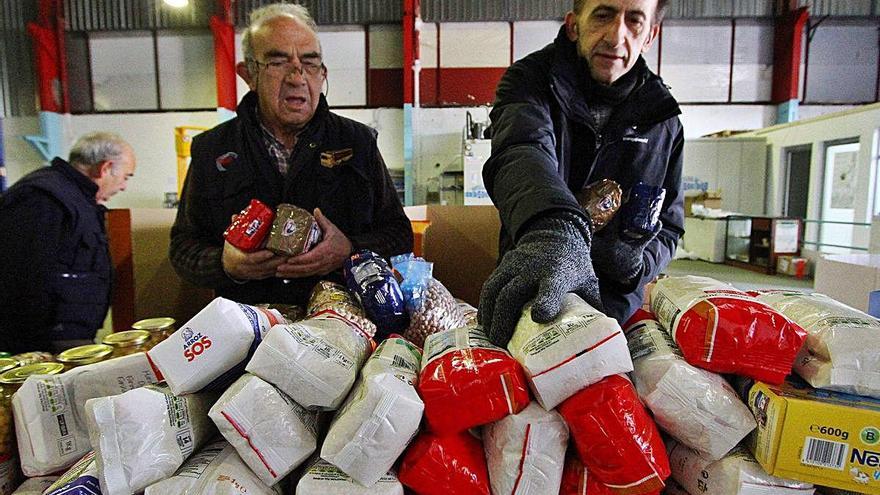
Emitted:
<point x="787" y="41"/>
<point x="223" y="29"/>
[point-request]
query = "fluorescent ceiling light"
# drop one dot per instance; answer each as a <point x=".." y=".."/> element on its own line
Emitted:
<point x="177" y="3"/>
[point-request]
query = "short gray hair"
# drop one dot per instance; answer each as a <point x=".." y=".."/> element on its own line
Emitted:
<point x="268" y="12"/>
<point x="94" y="148"/>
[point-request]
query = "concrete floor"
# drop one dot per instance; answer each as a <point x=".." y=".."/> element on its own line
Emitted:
<point x="740" y="278"/>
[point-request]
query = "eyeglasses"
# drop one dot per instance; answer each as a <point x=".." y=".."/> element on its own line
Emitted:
<point x="283" y="66"/>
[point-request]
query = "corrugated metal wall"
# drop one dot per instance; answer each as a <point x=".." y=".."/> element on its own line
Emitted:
<point x="16" y="63"/>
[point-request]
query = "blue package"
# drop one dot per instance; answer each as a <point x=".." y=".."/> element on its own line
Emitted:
<point x="416" y="273"/>
<point x="369" y="277"/>
<point x="80" y="479"/>
<point x="641" y="212"/>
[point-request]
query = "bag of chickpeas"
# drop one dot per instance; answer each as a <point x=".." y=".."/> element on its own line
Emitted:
<point x="431" y="306"/>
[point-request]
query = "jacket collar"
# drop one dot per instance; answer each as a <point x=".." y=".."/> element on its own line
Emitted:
<point x="649" y="102"/>
<point x="247" y="111"/>
<point x="81" y="180"/>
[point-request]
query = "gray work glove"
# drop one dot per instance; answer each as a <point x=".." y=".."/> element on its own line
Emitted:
<point x="616" y="256"/>
<point x="551" y="259"/>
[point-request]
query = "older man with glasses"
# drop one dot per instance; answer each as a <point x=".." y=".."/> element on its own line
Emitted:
<point x="284" y="146"/>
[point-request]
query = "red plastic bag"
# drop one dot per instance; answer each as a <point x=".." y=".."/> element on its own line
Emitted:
<point x="615" y="437"/>
<point x="725" y="330"/>
<point x="445" y="465"/>
<point x="576" y="480"/>
<point x="466" y="381"/>
<point x="249" y="228"/>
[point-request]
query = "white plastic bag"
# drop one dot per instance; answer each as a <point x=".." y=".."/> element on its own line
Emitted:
<point x="380" y="416"/>
<point x="578" y="348"/>
<point x="144" y="435"/>
<point x="326" y="479"/>
<point x="738" y="473"/>
<point x="841" y="350"/>
<point x="210" y="350"/>
<point x="525" y="452"/>
<point x="82" y="477"/>
<point x="695" y="406"/>
<point x="216" y="470"/>
<point x="49" y="410"/>
<point x="314" y="361"/>
<point x="272" y="433"/>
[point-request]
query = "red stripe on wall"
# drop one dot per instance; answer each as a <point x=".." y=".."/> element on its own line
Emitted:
<point x="428" y="87"/>
<point x="466" y="86"/>
<point x="385" y="87"/>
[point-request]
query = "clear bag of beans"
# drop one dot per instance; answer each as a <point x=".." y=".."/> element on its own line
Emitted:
<point x="430" y="305"/>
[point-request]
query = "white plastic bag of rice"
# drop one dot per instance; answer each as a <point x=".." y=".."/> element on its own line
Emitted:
<point x="272" y="433"/>
<point x="737" y="473"/>
<point x="49" y="409"/>
<point x="697" y="407"/>
<point x="210" y="350"/>
<point x="145" y="434"/>
<point x="380" y="416"/>
<point x="525" y="452"/>
<point x="35" y="486"/>
<point x="578" y="348"/>
<point x="326" y="479"/>
<point x="840" y="352"/>
<point x="314" y="361"/>
<point x="216" y="470"/>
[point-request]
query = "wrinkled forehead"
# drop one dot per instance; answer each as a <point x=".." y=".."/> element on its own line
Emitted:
<point x="285" y="35"/>
<point x="645" y="7"/>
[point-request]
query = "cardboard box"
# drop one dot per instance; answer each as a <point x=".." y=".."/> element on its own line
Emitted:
<point x="821" y="437"/>
<point x="792" y="265"/>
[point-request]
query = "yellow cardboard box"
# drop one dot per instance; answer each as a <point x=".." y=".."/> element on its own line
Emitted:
<point x="821" y="437"/>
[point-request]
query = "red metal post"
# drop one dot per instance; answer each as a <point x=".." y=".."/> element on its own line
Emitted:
<point x="410" y="48"/>
<point x="787" y="43"/>
<point x="223" y="28"/>
<point x="50" y="57"/>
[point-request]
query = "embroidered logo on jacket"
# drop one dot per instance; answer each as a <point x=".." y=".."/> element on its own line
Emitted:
<point x="225" y="160"/>
<point x="331" y="159"/>
<point x="635" y="139"/>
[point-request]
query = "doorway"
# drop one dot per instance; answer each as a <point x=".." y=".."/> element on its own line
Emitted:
<point x="797" y="181"/>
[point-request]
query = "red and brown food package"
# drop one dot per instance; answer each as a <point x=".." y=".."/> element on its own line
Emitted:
<point x="445" y="465"/>
<point x="600" y="200"/>
<point x="249" y="228"/>
<point x="616" y="438"/>
<point x="466" y="381"/>
<point x="294" y="231"/>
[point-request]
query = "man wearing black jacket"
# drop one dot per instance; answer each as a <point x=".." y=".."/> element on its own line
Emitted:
<point x="584" y="108"/>
<point x="285" y="146"/>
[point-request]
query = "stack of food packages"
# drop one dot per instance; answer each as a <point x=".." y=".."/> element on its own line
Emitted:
<point x="243" y="399"/>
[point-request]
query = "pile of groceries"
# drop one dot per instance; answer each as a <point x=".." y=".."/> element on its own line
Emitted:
<point x="387" y="385"/>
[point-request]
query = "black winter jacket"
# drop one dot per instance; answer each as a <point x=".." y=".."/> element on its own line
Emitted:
<point x="55" y="270"/>
<point x="230" y="166"/>
<point x="542" y="130"/>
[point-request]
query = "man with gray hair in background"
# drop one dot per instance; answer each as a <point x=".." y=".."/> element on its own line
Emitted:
<point x="284" y="146"/>
<point x="55" y="268"/>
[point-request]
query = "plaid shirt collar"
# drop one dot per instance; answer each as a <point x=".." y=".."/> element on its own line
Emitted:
<point x="277" y="151"/>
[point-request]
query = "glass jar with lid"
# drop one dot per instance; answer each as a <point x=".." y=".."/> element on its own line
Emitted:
<point x="84" y="354"/>
<point x="35" y="357"/>
<point x="128" y="342"/>
<point x="10" y="381"/>
<point x="159" y="328"/>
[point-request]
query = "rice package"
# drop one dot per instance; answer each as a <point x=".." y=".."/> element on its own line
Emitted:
<point x="578" y="348"/>
<point x="380" y="416"/>
<point x="272" y="433"/>
<point x="80" y="479"/>
<point x="35" y="486"/>
<point x="467" y="381"/>
<point x="445" y="465"/>
<point x="314" y="361"/>
<point x="49" y="410"/>
<point x="216" y="470"/>
<point x="210" y="350"/>
<point x="330" y="295"/>
<point x="616" y="438"/>
<point x="525" y="452"/>
<point x="738" y="473"/>
<point x="144" y="435"/>
<point x="576" y="480"/>
<point x="725" y="330"/>
<point x="326" y="479"/>
<point x="841" y="350"/>
<point x="697" y="407"/>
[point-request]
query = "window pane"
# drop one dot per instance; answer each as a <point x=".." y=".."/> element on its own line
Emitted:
<point x="186" y="70"/>
<point x="696" y="59"/>
<point x="531" y="36"/>
<point x="843" y="63"/>
<point x="123" y="71"/>
<point x="753" y="61"/>
<point x="78" y="88"/>
<point x="344" y="51"/>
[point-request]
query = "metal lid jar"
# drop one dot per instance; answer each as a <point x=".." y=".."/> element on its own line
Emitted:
<point x="84" y="354"/>
<point x="159" y="328"/>
<point x="128" y="342"/>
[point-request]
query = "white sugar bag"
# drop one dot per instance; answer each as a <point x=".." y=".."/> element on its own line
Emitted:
<point x="841" y="350"/>
<point x="210" y="350"/>
<point x="35" y="486"/>
<point x="49" y="410"/>
<point x="738" y="473"/>
<point x="578" y="348"/>
<point x="272" y="433"/>
<point x="216" y="470"/>
<point x="697" y="407"/>
<point x="326" y="479"/>
<point x="314" y="361"/>
<point x="380" y="416"/>
<point x="525" y="452"/>
<point x="144" y="435"/>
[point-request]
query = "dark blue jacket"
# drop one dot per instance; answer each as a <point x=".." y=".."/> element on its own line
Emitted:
<point x="542" y="131"/>
<point x="55" y="268"/>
